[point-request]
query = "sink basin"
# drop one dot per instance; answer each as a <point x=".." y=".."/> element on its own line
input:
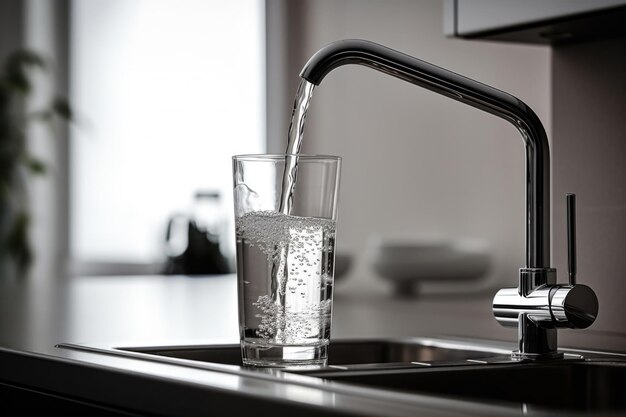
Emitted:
<point x="346" y="354"/>
<point x="472" y="371"/>
<point x="572" y="385"/>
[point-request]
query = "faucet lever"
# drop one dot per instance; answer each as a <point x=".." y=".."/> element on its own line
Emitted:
<point x="571" y="237"/>
<point x="574" y="305"/>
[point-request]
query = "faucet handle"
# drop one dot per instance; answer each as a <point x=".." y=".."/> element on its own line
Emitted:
<point x="571" y="237"/>
<point x="574" y="306"/>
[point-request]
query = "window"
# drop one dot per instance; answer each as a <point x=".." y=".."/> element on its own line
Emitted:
<point x="166" y="92"/>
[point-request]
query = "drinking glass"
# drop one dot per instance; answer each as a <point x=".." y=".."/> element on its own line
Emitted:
<point x="285" y="220"/>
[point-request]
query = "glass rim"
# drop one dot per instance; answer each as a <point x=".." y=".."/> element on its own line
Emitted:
<point x="281" y="156"/>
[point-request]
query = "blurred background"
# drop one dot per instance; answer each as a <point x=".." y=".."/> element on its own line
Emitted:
<point x="164" y="92"/>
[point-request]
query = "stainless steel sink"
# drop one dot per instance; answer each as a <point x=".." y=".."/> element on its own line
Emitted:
<point x="474" y="371"/>
<point x="347" y="354"/>
<point x="571" y="385"/>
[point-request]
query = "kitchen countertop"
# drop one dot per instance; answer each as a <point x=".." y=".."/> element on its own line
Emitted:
<point x="179" y="310"/>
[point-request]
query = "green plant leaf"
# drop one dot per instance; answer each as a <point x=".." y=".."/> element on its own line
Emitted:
<point x="17" y="242"/>
<point x="16" y="66"/>
<point x="62" y="108"/>
<point x="15" y="85"/>
<point x="25" y="58"/>
<point x="36" y="166"/>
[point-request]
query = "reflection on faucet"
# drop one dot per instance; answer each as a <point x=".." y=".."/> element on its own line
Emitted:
<point x="537" y="338"/>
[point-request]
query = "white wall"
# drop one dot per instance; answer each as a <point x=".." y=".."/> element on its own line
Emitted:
<point x="416" y="162"/>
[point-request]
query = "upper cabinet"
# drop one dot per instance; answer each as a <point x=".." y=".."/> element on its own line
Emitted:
<point x="535" y="21"/>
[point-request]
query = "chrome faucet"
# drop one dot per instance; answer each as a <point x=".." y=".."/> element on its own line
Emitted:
<point x="538" y="306"/>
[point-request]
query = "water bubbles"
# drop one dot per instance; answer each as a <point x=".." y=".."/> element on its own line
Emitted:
<point x="273" y="232"/>
<point x="297" y="310"/>
<point x="291" y="326"/>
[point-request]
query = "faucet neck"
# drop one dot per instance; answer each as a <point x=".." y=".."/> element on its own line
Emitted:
<point x="475" y="94"/>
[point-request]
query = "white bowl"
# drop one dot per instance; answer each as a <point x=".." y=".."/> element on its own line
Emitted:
<point x="407" y="261"/>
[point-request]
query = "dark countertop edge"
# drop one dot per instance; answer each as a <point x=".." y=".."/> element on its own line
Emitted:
<point x="130" y="389"/>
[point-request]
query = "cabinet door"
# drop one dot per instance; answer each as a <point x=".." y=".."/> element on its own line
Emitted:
<point x="535" y="21"/>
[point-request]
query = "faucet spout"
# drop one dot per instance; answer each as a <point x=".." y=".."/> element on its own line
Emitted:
<point x="475" y="94"/>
